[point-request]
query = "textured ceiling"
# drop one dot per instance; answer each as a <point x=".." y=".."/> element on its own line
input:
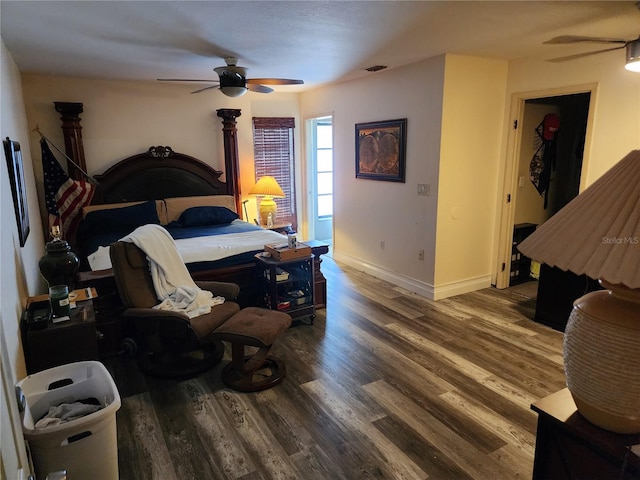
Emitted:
<point x="318" y="42"/>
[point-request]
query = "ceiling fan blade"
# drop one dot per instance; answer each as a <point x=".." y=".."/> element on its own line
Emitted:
<point x="580" y="55"/>
<point x="254" y="87"/>
<point x="205" y="88"/>
<point x="564" y="39"/>
<point x="275" y="81"/>
<point x="184" y="80"/>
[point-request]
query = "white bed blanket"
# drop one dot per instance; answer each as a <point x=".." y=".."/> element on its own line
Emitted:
<point x="204" y="249"/>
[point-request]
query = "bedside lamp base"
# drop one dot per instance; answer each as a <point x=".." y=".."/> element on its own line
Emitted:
<point x="267" y="206"/>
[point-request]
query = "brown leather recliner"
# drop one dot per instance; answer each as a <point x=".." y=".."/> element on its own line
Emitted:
<point x="170" y="343"/>
<point x="173" y="345"/>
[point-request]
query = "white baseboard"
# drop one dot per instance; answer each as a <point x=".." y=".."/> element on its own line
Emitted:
<point x="419" y="287"/>
<point x="462" y="286"/>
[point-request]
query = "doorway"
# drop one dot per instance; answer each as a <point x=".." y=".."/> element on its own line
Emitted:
<point x="525" y="207"/>
<point x="320" y="178"/>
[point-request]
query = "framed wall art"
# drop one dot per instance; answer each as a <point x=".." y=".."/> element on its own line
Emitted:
<point x="381" y="150"/>
<point x="18" y="188"/>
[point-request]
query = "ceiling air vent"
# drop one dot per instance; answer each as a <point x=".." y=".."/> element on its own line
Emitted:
<point x="376" y="68"/>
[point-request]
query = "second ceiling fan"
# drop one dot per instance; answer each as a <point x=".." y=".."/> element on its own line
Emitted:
<point x="632" y="48"/>
<point x="233" y="80"/>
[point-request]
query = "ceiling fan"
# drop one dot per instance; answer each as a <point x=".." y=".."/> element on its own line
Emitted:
<point x="233" y="80"/>
<point x="632" y="46"/>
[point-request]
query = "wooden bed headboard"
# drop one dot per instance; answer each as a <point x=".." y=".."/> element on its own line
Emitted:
<point x="160" y="172"/>
<point x="157" y="174"/>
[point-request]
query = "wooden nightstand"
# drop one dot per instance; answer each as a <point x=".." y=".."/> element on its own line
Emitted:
<point x="280" y="227"/>
<point x="58" y="343"/>
<point x="569" y="447"/>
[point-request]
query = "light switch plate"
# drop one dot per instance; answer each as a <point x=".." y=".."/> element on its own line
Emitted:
<point x="424" y="189"/>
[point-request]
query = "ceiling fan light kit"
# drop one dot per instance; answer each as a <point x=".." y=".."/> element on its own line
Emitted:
<point x="633" y="56"/>
<point x="233" y="81"/>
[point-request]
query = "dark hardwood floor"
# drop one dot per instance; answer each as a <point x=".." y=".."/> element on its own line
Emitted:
<point x="384" y="385"/>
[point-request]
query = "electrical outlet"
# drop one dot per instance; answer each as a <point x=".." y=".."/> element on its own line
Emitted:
<point x="381" y="244"/>
<point x="420" y="254"/>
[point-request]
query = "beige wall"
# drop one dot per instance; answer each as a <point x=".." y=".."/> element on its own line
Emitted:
<point x="20" y="275"/>
<point x="122" y="118"/>
<point x="19" y="266"/>
<point x="473" y="109"/>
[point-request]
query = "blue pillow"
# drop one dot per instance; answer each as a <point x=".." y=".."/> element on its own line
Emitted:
<point x="203" y="216"/>
<point x="129" y="217"/>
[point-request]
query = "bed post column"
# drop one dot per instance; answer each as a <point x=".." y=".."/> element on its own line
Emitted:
<point x="231" y="161"/>
<point x="72" y="132"/>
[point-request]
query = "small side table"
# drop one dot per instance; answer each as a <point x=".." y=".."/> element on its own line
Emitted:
<point x="287" y="286"/>
<point x="280" y="227"/>
<point x="70" y="341"/>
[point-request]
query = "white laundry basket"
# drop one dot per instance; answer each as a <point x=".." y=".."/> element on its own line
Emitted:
<point x="87" y="448"/>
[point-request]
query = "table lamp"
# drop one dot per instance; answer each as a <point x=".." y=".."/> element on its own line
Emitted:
<point x="267" y="187"/>
<point x="598" y="234"/>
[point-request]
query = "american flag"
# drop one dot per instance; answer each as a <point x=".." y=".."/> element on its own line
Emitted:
<point x="64" y="197"/>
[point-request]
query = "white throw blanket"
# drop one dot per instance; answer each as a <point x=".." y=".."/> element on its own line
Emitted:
<point x="172" y="282"/>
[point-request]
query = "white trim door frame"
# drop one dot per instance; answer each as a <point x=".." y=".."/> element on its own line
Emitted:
<point x="508" y="194"/>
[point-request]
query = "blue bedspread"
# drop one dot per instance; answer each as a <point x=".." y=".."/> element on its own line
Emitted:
<point x="237" y="226"/>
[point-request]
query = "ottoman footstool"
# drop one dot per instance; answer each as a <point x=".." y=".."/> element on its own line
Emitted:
<point x="254" y="327"/>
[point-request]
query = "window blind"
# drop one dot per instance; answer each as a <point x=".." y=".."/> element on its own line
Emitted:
<point x="274" y="155"/>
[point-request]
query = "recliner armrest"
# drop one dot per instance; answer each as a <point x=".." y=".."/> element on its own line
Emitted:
<point x="227" y="290"/>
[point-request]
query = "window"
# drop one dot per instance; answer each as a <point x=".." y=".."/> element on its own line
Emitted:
<point x="274" y="155"/>
<point x="323" y="151"/>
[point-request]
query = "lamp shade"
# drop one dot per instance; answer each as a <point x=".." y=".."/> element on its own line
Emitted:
<point x="598" y="232"/>
<point x="268" y="187"/>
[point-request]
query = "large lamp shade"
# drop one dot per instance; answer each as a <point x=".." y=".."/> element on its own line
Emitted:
<point x="598" y="234"/>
